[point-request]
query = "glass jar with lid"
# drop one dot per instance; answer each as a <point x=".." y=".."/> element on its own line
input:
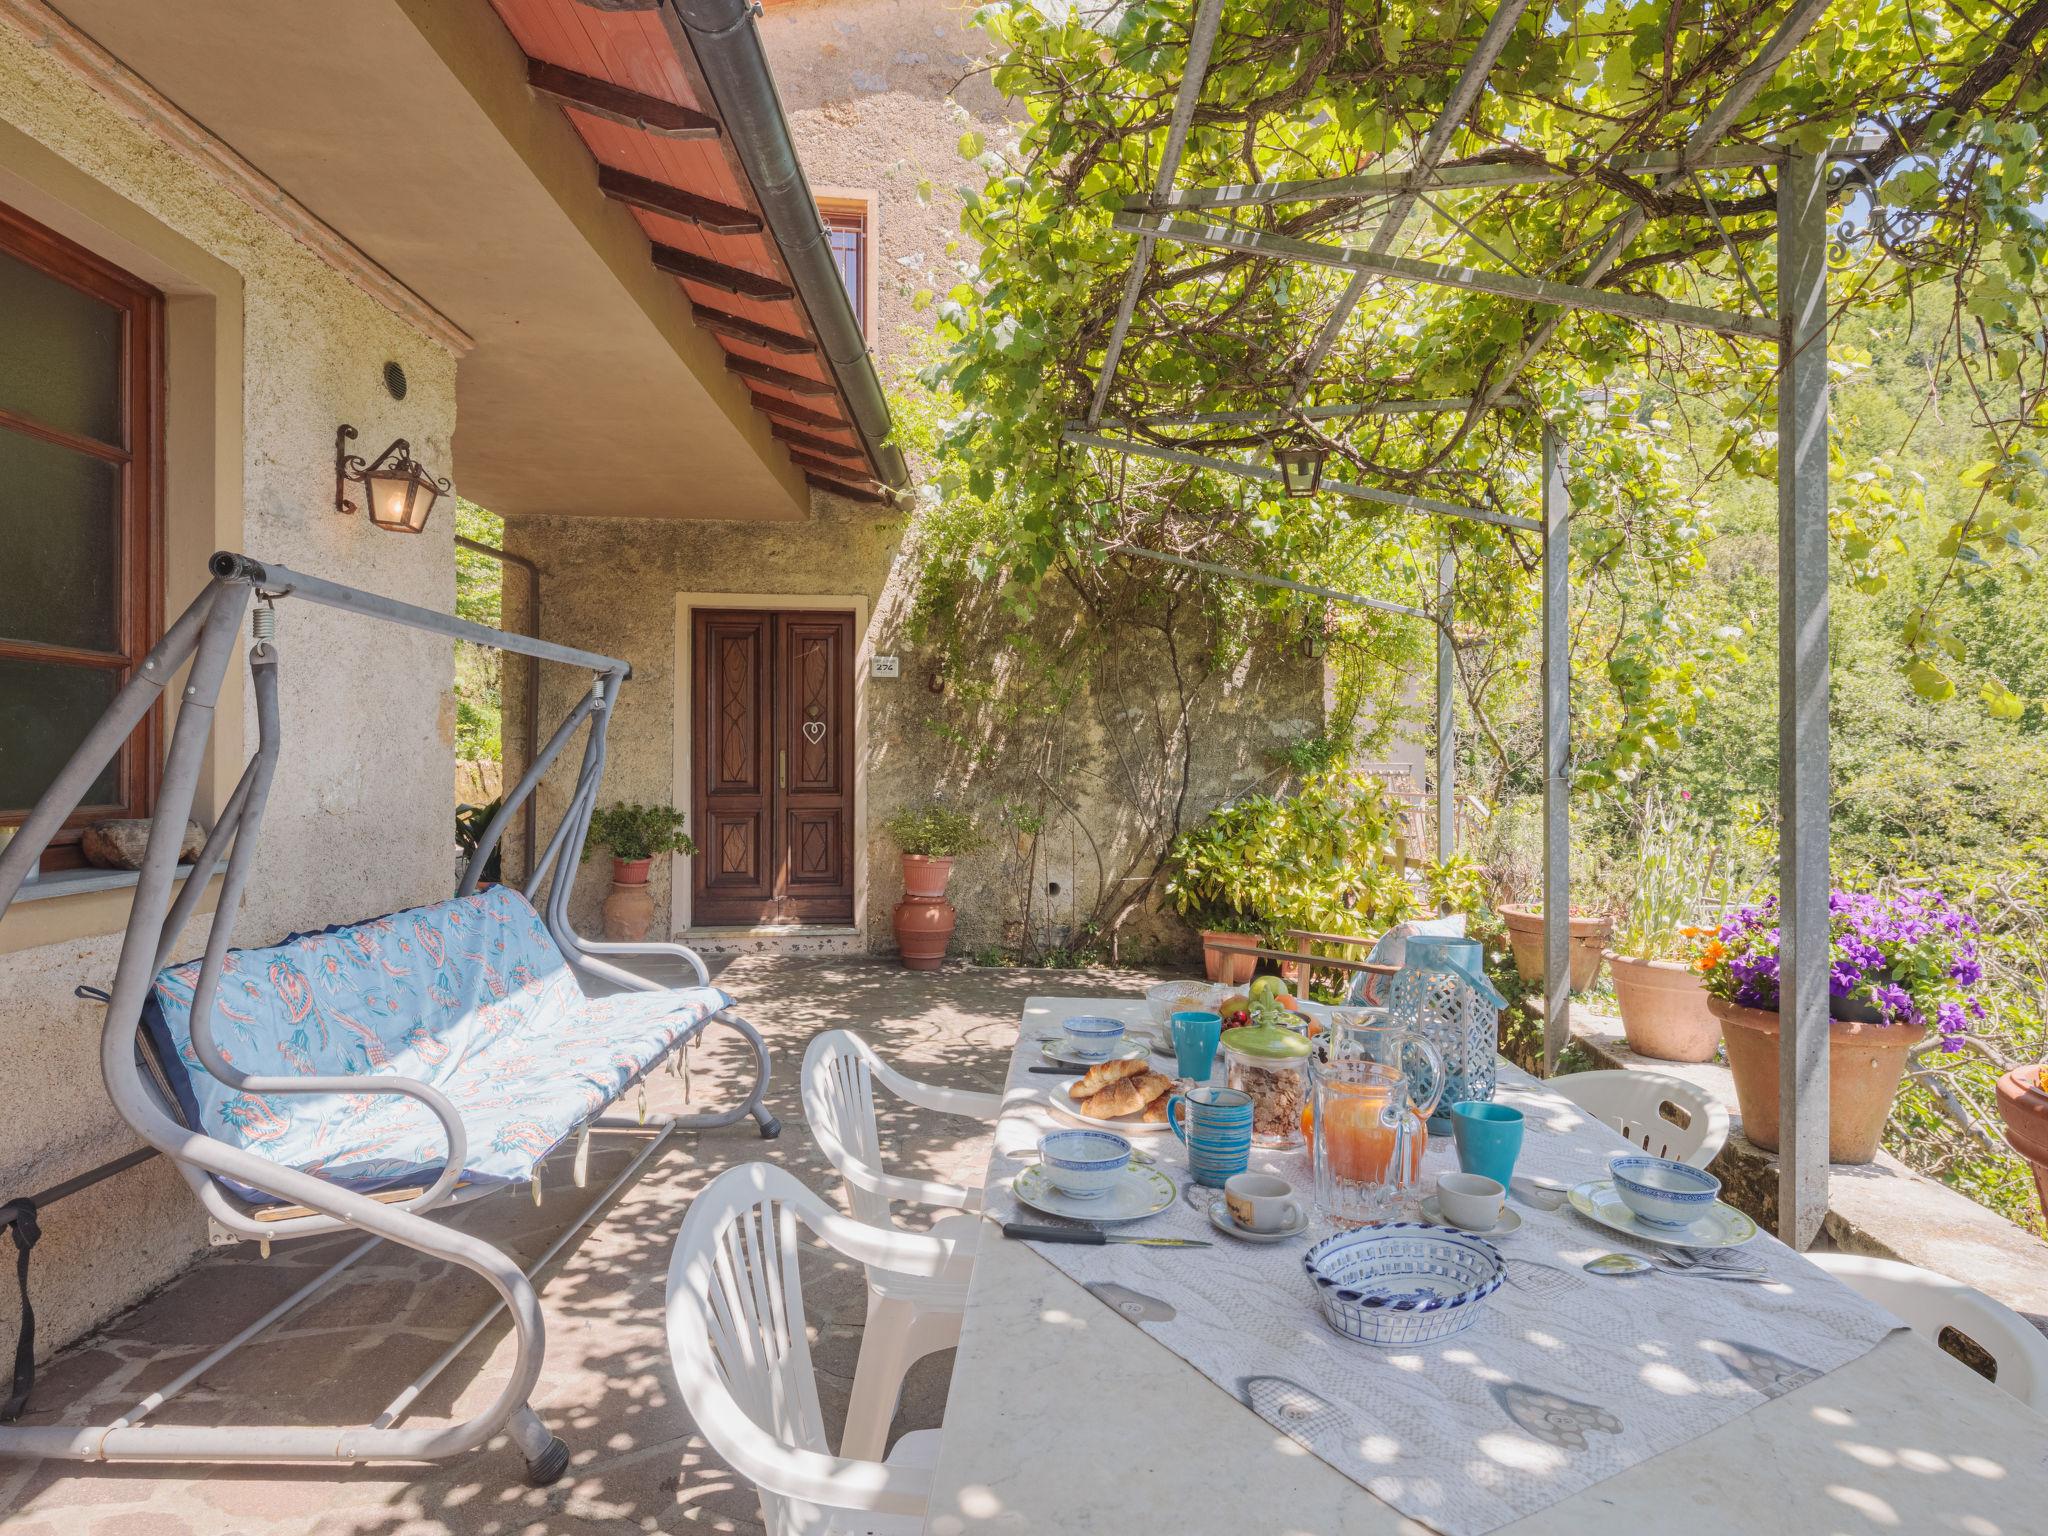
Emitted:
<point x="1271" y="1064"/>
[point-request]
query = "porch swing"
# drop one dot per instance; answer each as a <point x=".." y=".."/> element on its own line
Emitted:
<point x="366" y="1074"/>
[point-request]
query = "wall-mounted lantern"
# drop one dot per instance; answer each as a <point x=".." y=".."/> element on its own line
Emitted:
<point x="1301" y="469"/>
<point x="399" y="493"/>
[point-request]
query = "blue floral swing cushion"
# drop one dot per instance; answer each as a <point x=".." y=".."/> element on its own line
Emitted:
<point x="470" y="995"/>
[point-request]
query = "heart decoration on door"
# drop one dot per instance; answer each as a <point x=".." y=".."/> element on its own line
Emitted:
<point x="814" y="731"/>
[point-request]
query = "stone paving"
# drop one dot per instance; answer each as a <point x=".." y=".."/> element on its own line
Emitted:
<point x="637" y="1463"/>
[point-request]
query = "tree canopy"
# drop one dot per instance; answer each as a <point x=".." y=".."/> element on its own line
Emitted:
<point x="1941" y="236"/>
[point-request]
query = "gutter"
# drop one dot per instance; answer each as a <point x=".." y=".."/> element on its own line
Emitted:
<point x="728" y="48"/>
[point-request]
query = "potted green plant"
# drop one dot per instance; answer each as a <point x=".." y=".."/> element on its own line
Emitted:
<point x="929" y="836"/>
<point x="1589" y="933"/>
<point x="1217" y="875"/>
<point x="471" y="822"/>
<point x="636" y="835"/>
<point x="1899" y="964"/>
<point x="1680" y="877"/>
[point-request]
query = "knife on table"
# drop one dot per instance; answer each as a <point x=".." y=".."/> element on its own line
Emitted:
<point x="1093" y="1237"/>
<point x="1060" y="1071"/>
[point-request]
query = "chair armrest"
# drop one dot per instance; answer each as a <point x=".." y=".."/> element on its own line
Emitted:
<point x="964" y="1102"/>
<point x="893" y="1186"/>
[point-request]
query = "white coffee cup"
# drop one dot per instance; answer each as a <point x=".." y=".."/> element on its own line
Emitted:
<point x="1261" y="1202"/>
<point x="1470" y="1201"/>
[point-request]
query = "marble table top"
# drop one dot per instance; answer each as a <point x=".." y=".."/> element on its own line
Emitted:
<point x="1064" y="1417"/>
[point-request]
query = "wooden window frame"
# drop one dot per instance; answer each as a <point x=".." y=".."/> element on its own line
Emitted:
<point x="852" y="210"/>
<point x="140" y="455"/>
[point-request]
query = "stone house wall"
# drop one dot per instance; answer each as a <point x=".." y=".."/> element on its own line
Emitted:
<point x="269" y="347"/>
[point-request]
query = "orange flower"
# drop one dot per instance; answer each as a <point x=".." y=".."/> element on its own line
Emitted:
<point x="1710" y="957"/>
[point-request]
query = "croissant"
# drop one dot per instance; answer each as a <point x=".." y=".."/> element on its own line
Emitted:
<point x="1119" y="1098"/>
<point x="1155" y="1112"/>
<point x="1102" y="1074"/>
<point x="1152" y="1087"/>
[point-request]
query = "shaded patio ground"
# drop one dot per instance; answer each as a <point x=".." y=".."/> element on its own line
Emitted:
<point x="607" y="1389"/>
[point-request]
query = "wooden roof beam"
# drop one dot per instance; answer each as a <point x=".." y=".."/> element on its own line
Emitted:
<point x="616" y="104"/>
<point x="796" y="439"/>
<point x="720" y="275"/>
<point x="779" y="378"/>
<point x="789" y="410"/>
<point x="850" y="492"/>
<point x="675" y="203"/>
<point x="753" y="331"/>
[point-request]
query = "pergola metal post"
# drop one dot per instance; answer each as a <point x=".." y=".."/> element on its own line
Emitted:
<point x="1803" y="698"/>
<point x="1557" y="689"/>
<point x="1446" y="726"/>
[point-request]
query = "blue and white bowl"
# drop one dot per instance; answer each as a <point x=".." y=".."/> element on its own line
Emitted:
<point x="1662" y="1192"/>
<point x="1092" y="1039"/>
<point x="1083" y="1164"/>
<point x="1401" y="1282"/>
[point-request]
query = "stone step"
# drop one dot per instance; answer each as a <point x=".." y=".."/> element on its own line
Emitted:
<point x="783" y="939"/>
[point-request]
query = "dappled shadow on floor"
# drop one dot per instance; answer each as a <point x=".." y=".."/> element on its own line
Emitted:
<point x="606" y="1388"/>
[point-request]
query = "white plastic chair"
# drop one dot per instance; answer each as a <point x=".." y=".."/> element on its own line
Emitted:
<point x="1928" y="1302"/>
<point x="1640" y="1105"/>
<point x="737" y="1337"/>
<point x="909" y="1317"/>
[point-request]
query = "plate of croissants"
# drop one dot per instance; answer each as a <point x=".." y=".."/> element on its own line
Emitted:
<point x="1124" y="1095"/>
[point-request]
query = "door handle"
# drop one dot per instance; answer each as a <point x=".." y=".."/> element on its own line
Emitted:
<point x="782" y="767"/>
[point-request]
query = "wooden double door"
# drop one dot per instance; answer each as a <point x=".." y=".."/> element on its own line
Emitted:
<point x="771" y="766"/>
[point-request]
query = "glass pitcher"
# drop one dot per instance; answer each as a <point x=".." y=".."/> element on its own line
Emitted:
<point x="1367" y="1131"/>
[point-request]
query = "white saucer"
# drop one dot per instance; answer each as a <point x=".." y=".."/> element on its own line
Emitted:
<point x="1221" y="1219"/>
<point x="1056" y="1049"/>
<point x="1141" y="1192"/>
<point x="1722" y="1227"/>
<point x="1510" y="1219"/>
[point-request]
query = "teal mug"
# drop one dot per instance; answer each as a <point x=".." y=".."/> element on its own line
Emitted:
<point x="1215" y="1125"/>
<point x="1489" y="1138"/>
<point x="1196" y="1034"/>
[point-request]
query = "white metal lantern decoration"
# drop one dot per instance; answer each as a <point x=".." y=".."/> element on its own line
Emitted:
<point x="1442" y="993"/>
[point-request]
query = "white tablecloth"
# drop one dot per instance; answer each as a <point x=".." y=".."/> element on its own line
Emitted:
<point x="1564" y="1379"/>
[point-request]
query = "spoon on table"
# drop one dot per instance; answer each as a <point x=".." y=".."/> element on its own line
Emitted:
<point x="1617" y="1265"/>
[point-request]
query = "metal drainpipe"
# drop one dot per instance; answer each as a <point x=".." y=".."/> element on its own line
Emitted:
<point x="728" y="50"/>
<point x="532" y="723"/>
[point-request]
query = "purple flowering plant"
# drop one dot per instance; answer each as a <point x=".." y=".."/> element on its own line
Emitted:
<point x="1911" y="956"/>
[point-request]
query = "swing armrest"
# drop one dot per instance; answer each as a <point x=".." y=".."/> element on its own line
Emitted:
<point x="649" y="947"/>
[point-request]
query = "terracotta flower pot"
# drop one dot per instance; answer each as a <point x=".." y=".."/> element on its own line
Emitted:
<point x="1525" y="937"/>
<point x="629" y="910"/>
<point x="925" y="876"/>
<point x="924" y="919"/>
<point x="1664" y="1008"/>
<point x="1865" y="1063"/>
<point x="2024" y="1108"/>
<point x="1231" y="970"/>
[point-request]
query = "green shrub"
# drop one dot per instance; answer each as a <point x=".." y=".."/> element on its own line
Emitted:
<point x="934" y="831"/>
<point x="634" y="832"/>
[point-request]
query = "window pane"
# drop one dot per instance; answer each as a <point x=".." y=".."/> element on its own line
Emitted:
<point x="45" y="712"/>
<point x="60" y="525"/>
<point x="60" y="354"/>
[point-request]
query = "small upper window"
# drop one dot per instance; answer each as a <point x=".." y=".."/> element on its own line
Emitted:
<point x="79" y="440"/>
<point x="847" y="227"/>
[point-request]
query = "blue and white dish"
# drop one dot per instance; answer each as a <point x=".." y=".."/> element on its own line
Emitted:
<point x="1092" y="1038"/>
<point x="1663" y="1192"/>
<point x="1057" y="1050"/>
<point x="1402" y="1283"/>
<point x="1138" y="1192"/>
<point x="1083" y="1165"/>
<point x="1721" y="1226"/>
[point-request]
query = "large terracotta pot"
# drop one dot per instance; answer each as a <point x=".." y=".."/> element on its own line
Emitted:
<point x="629" y="910"/>
<point x="1865" y="1063"/>
<point x="926" y="876"/>
<point x="924" y="919"/>
<point x="1663" y="1008"/>
<point x="1525" y="936"/>
<point x="2024" y="1108"/>
<point x="1231" y="970"/>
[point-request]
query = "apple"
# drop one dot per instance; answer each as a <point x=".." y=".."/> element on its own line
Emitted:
<point x="1266" y="988"/>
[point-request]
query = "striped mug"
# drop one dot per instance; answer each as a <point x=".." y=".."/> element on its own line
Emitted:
<point x="1215" y="1124"/>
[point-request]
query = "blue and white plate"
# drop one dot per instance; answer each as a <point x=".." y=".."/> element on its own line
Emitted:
<point x="1722" y="1227"/>
<point x="1402" y="1283"/>
<point x="1057" y="1049"/>
<point x="1142" y="1191"/>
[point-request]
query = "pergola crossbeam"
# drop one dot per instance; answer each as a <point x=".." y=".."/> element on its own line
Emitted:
<point x="1257" y="579"/>
<point x="1304" y="413"/>
<point x="1508" y="285"/>
<point x="1435" y="145"/>
<point x="1424" y="505"/>
<point x="1201" y="40"/>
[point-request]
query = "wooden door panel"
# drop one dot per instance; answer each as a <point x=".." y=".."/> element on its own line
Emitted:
<point x="733" y="876"/>
<point x="815" y="730"/>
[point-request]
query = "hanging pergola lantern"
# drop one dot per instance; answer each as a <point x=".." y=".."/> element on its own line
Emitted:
<point x="1301" y="469"/>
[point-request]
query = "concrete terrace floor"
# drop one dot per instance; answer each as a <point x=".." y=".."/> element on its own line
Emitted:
<point x="606" y="1388"/>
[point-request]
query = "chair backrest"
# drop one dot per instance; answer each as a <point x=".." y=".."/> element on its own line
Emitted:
<point x="839" y="1102"/>
<point x="741" y="1350"/>
<point x="1648" y="1108"/>
<point x="1929" y="1303"/>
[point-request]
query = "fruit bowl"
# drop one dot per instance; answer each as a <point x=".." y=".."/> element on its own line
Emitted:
<point x="1402" y="1282"/>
